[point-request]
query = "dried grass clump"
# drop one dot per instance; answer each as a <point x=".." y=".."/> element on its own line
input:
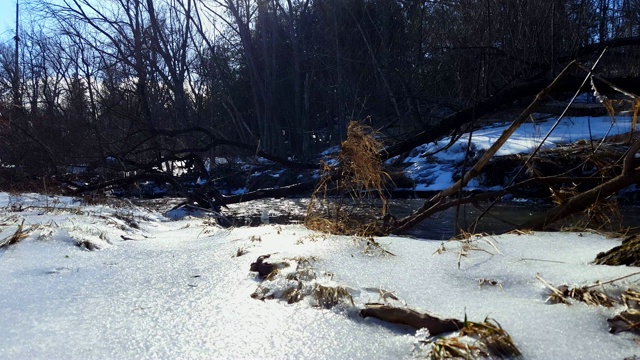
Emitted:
<point x="631" y="299"/>
<point x="330" y="296"/>
<point x="492" y="337"/>
<point x="586" y="294"/>
<point x="20" y="234"/>
<point x="294" y="286"/>
<point x="603" y="215"/>
<point x="594" y="294"/>
<point x="350" y="198"/>
<point x="455" y="348"/>
<point x="627" y="253"/>
<point x="371" y="247"/>
<point x="486" y="339"/>
<point x="359" y="158"/>
<point x="469" y="242"/>
<point x="628" y="320"/>
<point x="241" y="251"/>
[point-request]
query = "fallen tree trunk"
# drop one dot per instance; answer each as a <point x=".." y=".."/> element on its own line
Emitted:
<point x="528" y="87"/>
<point x="77" y="189"/>
<point x="435" y="204"/>
<point x="284" y="191"/>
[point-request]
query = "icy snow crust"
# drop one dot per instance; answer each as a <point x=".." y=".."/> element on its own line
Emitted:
<point x="178" y="290"/>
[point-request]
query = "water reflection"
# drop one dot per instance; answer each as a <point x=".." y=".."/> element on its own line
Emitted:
<point x="503" y="217"/>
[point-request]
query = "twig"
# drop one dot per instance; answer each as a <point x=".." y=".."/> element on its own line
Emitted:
<point x="552" y="261"/>
<point x="612" y="281"/>
<point x="553" y="289"/>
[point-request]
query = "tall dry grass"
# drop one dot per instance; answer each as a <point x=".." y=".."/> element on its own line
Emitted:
<point x="350" y="197"/>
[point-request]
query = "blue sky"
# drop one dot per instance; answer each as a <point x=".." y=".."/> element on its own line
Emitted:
<point x="7" y="18"/>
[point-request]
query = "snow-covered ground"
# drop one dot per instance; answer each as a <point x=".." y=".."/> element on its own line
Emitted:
<point x="434" y="172"/>
<point x="178" y="289"/>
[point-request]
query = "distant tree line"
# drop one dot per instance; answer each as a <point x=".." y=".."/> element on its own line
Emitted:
<point x="142" y="82"/>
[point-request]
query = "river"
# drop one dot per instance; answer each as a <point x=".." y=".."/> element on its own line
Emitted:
<point x="503" y="216"/>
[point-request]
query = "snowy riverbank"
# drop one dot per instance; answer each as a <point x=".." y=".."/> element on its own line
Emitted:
<point x="178" y="289"/>
<point x="433" y="170"/>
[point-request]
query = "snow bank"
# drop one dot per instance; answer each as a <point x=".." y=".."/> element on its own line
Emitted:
<point x="177" y="289"/>
<point x="434" y="172"/>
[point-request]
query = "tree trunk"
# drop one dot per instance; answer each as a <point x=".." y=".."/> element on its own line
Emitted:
<point x="433" y="205"/>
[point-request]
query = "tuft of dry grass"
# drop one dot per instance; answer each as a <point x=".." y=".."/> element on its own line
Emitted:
<point x="241" y="251"/>
<point x="454" y="348"/>
<point x="359" y="158"/>
<point x="350" y="197"/>
<point x="371" y="247"/>
<point x="628" y="319"/>
<point x="330" y="296"/>
<point x="594" y="294"/>
<point x="602" y="215"/>
<point x="495" y="341"/>
<point x="301" y="284"/>
<point x="20" y="234"/>
<point x="485" y="339"/>
<point x="293" y="294"/>
<point x="469" y="242"/>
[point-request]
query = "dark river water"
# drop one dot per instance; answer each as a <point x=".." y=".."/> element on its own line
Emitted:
<point x="503" y="217"/>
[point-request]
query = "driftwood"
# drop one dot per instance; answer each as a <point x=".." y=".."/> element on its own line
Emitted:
<point x="411" y="318"/>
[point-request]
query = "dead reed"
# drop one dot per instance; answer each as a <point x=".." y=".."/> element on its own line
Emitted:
<point x="350" y="197"/>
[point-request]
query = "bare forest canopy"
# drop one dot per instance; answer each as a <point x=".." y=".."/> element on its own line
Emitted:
<point x="128" y="87"/>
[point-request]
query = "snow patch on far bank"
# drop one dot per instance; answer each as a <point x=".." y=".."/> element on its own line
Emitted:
<point x="434" y="171"/>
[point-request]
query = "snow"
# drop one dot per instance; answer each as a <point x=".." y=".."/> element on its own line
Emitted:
<point x="239" y="191"/>
<point x="177" y="289"/>
<point x="432" y="171"/>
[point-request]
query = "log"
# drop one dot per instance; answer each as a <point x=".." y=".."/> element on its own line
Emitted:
<point x="280" y="192"/>
<point x="507" y="96"/>
<point x="435" y="203"/>
<point x="409" y="317"/>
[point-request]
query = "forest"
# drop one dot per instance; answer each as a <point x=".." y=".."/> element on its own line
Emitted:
<point x="125" y="91"/>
